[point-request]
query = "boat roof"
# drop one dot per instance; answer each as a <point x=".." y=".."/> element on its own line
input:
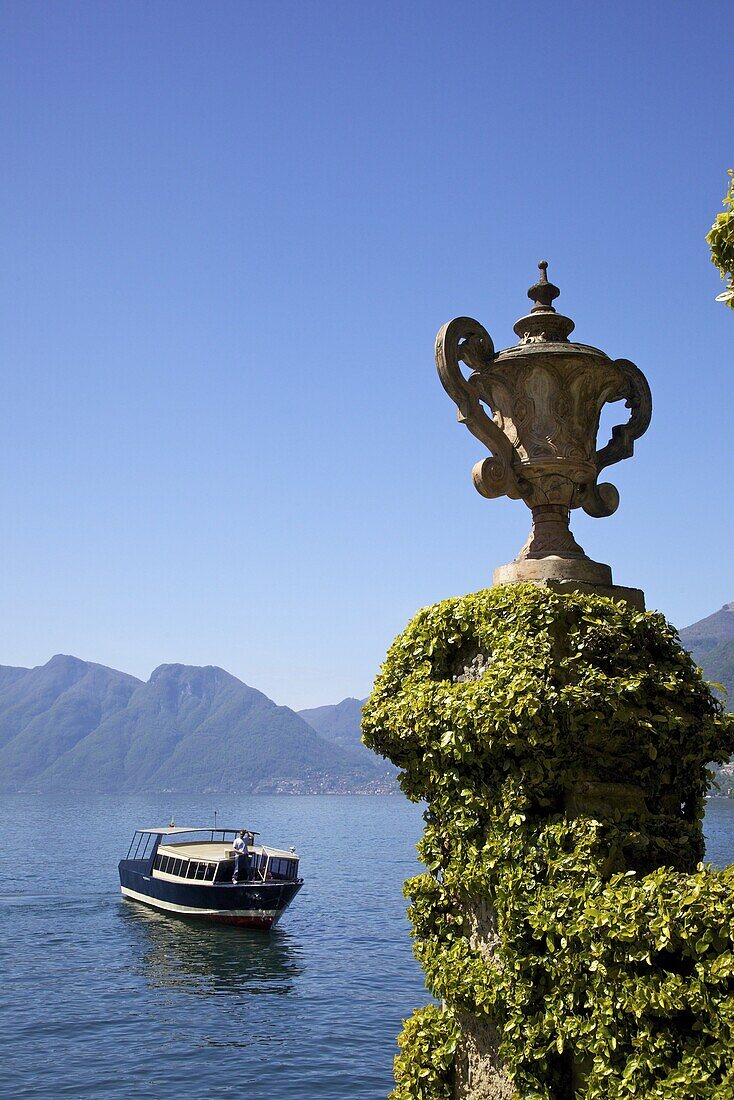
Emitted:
<point x="169" y="830"/>
<point x="217" y="851"/>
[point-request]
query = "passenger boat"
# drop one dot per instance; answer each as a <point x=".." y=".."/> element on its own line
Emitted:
<point x="189" y="872"/>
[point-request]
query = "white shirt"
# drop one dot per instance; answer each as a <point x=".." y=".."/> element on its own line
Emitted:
<point x="240" y="846"/>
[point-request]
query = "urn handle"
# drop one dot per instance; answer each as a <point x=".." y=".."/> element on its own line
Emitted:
<point x="465" y="340"/>
<point x="633" y="386"/>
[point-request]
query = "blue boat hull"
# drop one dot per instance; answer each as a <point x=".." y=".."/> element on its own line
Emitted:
<point x="249" y="904"/>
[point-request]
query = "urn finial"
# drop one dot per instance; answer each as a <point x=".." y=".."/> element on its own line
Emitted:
<point x="543" y="324"/>
<point x="543" y="293"/>
<point x="536" y="407"/>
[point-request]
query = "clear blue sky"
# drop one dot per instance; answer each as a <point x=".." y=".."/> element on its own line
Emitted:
<point x="230" y="232"/>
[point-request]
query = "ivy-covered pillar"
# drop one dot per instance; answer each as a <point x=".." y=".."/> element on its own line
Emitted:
<point x="558" y="736"/>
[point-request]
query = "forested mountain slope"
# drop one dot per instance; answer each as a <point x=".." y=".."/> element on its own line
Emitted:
<point x="711" y="644"/>
<point x="73" y="725"/>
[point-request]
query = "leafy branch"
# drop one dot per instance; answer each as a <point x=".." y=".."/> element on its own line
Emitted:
<point x="720" y="239"/>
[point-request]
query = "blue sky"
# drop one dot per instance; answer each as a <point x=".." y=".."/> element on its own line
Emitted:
<point x="230" y="232"/>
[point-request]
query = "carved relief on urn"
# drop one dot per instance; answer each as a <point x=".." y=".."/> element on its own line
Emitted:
<point x="543" y="401"/>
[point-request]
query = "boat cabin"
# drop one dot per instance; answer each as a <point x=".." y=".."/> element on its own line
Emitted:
<point x="207" y="856"/>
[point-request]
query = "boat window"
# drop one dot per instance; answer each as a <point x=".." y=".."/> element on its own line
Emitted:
<point x="191" y="870"/>
<point x="282" y="868"/>
<point x="201" y="870"/>
<point x="177" y="865"/>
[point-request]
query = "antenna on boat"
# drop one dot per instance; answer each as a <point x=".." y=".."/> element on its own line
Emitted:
<point x="215" y="820"/>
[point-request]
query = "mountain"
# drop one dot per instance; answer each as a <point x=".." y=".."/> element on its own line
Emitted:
<point x="45" y="712"/>
<point x="709" y="633"/>
<point x="73" y="725"/>
<point x="711" y="644"/>
<point x="719" y="668"/>
<point x="340" y="724"/>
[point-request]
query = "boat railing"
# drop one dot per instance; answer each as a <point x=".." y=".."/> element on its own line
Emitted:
<point x="148" y="842"/>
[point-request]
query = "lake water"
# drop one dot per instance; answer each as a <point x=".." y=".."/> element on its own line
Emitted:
<point x="101" y="997"/>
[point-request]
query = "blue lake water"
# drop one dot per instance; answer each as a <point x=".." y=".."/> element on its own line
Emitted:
<point x="101" y="997"/>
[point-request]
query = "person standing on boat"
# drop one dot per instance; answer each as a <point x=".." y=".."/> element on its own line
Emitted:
<point x="241" y="857"/>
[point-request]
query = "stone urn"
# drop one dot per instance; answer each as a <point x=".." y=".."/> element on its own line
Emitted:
<point x="536" y="407"/>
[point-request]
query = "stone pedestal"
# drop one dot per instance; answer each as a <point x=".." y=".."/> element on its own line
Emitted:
<point x="568" y="575"/>
<point x="480" y="1072"/>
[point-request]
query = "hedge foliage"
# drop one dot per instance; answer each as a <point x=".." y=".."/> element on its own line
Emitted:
<point x="720" y="239"/>
<point x="560" y="743"/>
<point x="427" y="1049"/>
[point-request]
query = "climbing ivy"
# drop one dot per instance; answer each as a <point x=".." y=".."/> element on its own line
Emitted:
<point x="560" y="743"/>
<point x="427" y="1048"/>
<point x="720" y="239"/>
